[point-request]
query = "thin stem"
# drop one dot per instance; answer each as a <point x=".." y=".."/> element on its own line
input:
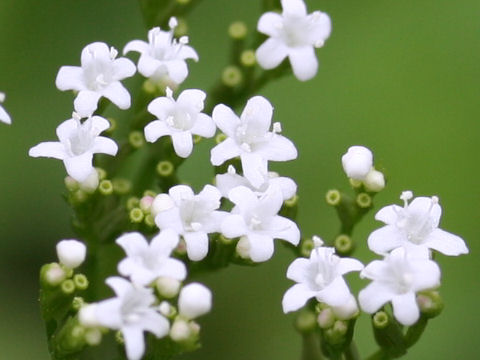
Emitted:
<point x="311" y="347"/>
<point x="351" y="353"/>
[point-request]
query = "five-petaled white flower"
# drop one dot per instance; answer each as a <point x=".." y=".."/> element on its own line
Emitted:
<point x="320" y="276"/>
<point x="163" y="56"/>
<point x="145" y="262"/>
<point x="78" y="142"/>
<point x="228" y="181"/>
<point x="180" y="119"/>
<point x="132" y="311"/>
<point x="192" y="216"/>
<point x="4" y="117"/>
<point x="415" y="227"/>
<point x="249" y="137"/>
<point x="255" y="219"/>
<point x="293" y="34"/>
<point x="397" y="278"/>
<point x="99" y="75"/>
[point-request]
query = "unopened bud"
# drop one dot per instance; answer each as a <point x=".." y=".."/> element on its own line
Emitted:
<point x="180" y="331"/>
<point x="121" y="186"/>
<point x="194" y="300"/>
<point x="430" y="303"/>
<point x="232" y="76"/>
<point x="333" y="197"/>
<point x="364" y="200"/>
<point x="90" y="184"/>
<point x="136" y="215"/>
<point x="105" y="187"/>
<point x="374" y="181"/>
<point x="136" y="139"/>
<point x="71" y="253"/>
<point x="380" y="320"/>
<point x="81" y="281"/>
<point x="243" y="248"/>
<point x="165" y="168"/>
<point x="93" y="336"/>
<point x="167" y="287"/>
<point x="247" y="58"/>
<point x="343" y="244"/>
<point x="357" y="162"/>
<point x="67" y="287"/>
<point x="326" y="318"/>
<point x="237" y="30"/>
<point x="87" y="316"/>
<point x="71" y="184"/>
<point x="305" y="322"/>
<point x="52" y="274"/>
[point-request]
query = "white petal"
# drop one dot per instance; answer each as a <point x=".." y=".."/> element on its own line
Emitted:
<point x="373" y="297"/>
<point x="133" y="243"/>
<point x="70" y="78"/>
<point x="53" y="149"/>
<point x="423" y="206"/>
<point x="66" y="129"/>
<point x="162" y="107"/>
<point x="277" y="148"/>
<point x="282" y="228"/>
<point x="357" y="162"/>
<point x="180" y="192"/>
<point x="226" y="182"/>
<point x="405" y="309"/>
<point x="107" y="313"/>
<point x="192" y="98"/>
<point x="321" y="29"/>
<point x="388" y="214"/>
<point x="194" y="300"/>
<point x="204" y="126"/>
<point x="261" y="247"/>
<point x="104" y="145"/>
<point x="156" y="129"/>
<point x="446" y="243"/>
<point x="100" y="51"/>
<point x="233" y="226"/>
<point x="177" y="70"/>
<point x="287" y="186"/>
<point x="254" y="168"/>
<point x="147" y="65"/>
<point x="136" y="270"/>
<point x="182" y="143"/>
<point x="269" y="205"/>
<point x="347" y="265"/>
<point x="136" y="45"/>
<point x="156" y="324"/>
<point x="169" y="219"/>
<point x="164" y="243"/>
<point x="304" y="62"/>
<point x="296" y="297"/>
<point x="187" y="52"/>
<point x="427" y="275"/>
<point x="119" y="285"/>
<point x="271" y="53"/>
<point x="258" y="115"/>
<point x="86" y="102"/>
<point x="197" y="245"/>
<point x="224" y="151"/>
<point x="385" y="239"/>
<point x="173" y="268"/>
<point x="269" y="23"/>
<point x="335" y="294"/>
<point x="99" y="123"/>
<point x="225" y="119"/>
<point x="243" y="197"/>
<point x="4" y="116"/>
<point x="123" y="68"/>
<point x="117" y="94"/>
<point x="79" y="167"/>
<point x="134" y="342"/>
<point x="298" y="270"/>
<point x="294" y="7"/>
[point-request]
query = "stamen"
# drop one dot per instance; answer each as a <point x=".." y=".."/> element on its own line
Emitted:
<point x="169" y="92"/>
<point x="113" y="53"/>
<point x="317" y="242"/>
<point x="277" y="128"/>
<point x="2" y="97"/>
<point x="231" y="170"/>
<point x="406" y="195"/>
<point x="172" y="23"/>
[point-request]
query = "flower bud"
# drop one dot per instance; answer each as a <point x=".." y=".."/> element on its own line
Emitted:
<point x="180" y="331"/>
<point x="93" y="337"/>
<point x="357" y="162"/>
<point x="90" y="184"/>
<point x="167" y="287"/>
<point x="195" y="300"/>
<point x="52" y="274"/>
<point x="161" y="203"/>
<point x="326" y="318"/>
<point x="71" y="253"/>
<point x="87" y="316"/>
<point x="347" y="310"/>
<point x="374" y="181"/>
<point x="237" y="30"/>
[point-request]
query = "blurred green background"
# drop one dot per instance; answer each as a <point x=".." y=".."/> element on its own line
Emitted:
<point x="401" y="77"/>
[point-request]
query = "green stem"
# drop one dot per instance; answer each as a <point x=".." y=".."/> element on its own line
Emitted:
<point x="351" y="353"/>
<point x="415" y="332"/>
<point x="311" y="347"/>
<point x="378" y="355"/>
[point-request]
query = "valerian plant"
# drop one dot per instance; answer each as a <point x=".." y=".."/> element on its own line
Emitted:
<point x="159" y="232"/>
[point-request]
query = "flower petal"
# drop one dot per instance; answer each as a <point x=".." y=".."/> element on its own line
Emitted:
<point x="104" y="145"/>
<point x="182" y="143"/>
<point x="296" y="297"/>
<point x="282" y="228"/>
<point x="382" y="240"/>
<point x="269" y="23"/>
<point x="446" y="243"/>
<point x="347" y="265"/>
<point x="123" y="68"/>
<point x="304" y="62"/>
<point x="134" y="342"/>
<point x="156" y="324"/>
<point x="225" y="119"/>
<point x="197" y="245"/>
<point x="156" y="129"/>
<point x="136" y="45"/>
<point x="204" y="126"/>
<point x="170" y="219"/>
<point x="233" y="226"/>
<point x="257" y="114"/>
<point x="254" y="168"/>
<point x="335" y="294"/>
<point x="177" y="70"/>
<point x="294" y="7"/>
<point x="133" y="243"/>
<point x="388" y="214"/>
<point x="261" y="246"/>
<point x="373" y="297"/>
<point x="277" y="148"/>
<point x="224" y="151"/>
<point x="271" y="53"/>
<point x="86" y="102"/>
<point x="117" y="94"/>
<point x="53" y="149"/>
<point x="79" y="167"/>
<point x="70" y="78"/>
<point x="405" y="309"/>
<point x="298" y="270"/>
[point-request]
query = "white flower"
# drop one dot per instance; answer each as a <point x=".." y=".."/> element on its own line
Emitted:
<point x="256" y="220"/>
<point x="145" y="262"/>
<point x="397" y="278"/>
<point x="228" y="181"/>
<point x="321" y="276"/>
<point x="293" y="34"/>
<point x="99" y="75"/>
<point x="71" y="253"/>
<point x="78" y="142"/>
<point x="180" y="119"/>
<point x="415" y="227"/>
<point x="192" y="216"/>
<point x="163" y="56"/>
<point x="249" y="137"/>
<point x="3" y="114"/>
<point x="194" y="300"/>
<point x="132" y="311"/>
<point x="357" y="162"/>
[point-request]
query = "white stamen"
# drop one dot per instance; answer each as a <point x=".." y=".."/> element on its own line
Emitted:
<point x="113" y="53"/>
<point x="277" y="128"/>
<point x="317" y="242"/>
<point x="231" y="170"/>
<point x="172" y="23"/>
<point x="169" y="92"/>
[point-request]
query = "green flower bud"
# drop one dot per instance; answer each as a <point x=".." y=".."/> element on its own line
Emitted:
<point x="232" y="76"/>
<point x="248" y="58"/>
<point x="121" y="186"/>
<point x="182" y="27"/>
<point x="354" y="183"/>
<point x="305" y="322"/>
<point x="364" y="200"/>
<point x="380" y="320"/>
<point x="333" y="197"/>
<point x="167" y="287"/>
<point x="343" y="244"/>
<point x="67" y="287"/>
<point x="306" y="247"/>
<point x="326" y="318"/>
<point x="136" y="215"/>
<point x="113" y="125"/>
<point x="165" y="168"/>
<point x="77" y="303"/>
<point x="430" y="303"/>
<point x="149" y="220"/>
<point x="105" y="187"/>
<point x="52" y="275"/>
<point x="132" y="202"/>
<point x="102" y="174"/>
<point x="136" y="139"/>
<point x="237" y="30"/>
<point x="81" y="281"/>
<point x="93" y="336"/>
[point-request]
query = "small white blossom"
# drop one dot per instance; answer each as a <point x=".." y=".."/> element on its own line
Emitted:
<point x="321" y="276"/>
<point x="357" y="162"/>
<point x="180" y="120"/>
<point x="71" y="253"/>
<point x="194" y="300"/>
<point x="256" y="221"/>
<point x="415" y="227"/>
<point x="397" y="278"/>
<point x="78" y="142"/>
<point x="249" y="137"/>
<point x="132" y="311"/>
<point x="4" y="117"/>
<point x="99" y="75"/>
<point x="293" y="34"/>
<point x="192" y="216"/>
<point x="228" y="181"/>
<point x="145" y="262"/>
<point x="163" y="56"/>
